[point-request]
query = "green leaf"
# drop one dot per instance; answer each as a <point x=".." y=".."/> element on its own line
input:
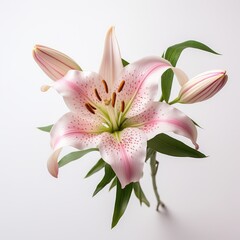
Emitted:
<point x="121" y="202"/>
<point x="196" y="124"/>
<point x="140" y="194"/>
<point x="97" y="167"/>
<point x="172" y="55"/>
<point x="124" y="62"/>
<point x="46" y="128"/>
<point x="167" y="145"/>
<point x="113" y="184"/>
<point x="107" y="178"/>
<point x="74" y="156"/>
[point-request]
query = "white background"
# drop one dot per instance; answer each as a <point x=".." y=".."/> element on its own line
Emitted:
<point x="202" y="195"/>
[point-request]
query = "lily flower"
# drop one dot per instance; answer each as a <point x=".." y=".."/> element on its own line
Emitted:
<point x="54" y="63"/>
<point x="202" y="87"/>
<point x="114" y="110"/>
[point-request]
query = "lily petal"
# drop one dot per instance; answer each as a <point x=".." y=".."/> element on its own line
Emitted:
<point x="161" y="118"/>
<point x="52" y="163"/>
<point x="141" y="83"/>
<point x="125" y="151"/>
<point x="75" y="131"/>
<point x="78" y="89"/>
<point x="111" y="65"/>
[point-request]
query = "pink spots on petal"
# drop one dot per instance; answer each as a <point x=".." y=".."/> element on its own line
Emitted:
<point x="125" y="153"/>
<point x="161" y="117"/>
<point x="73" y="130"/>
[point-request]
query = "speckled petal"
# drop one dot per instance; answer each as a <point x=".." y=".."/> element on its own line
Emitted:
<point x="78" y="88"/>
<point x="142" y="79"/>
<point x="111" y="65"/>
<point x="161" y="118"/>
<point x="125" y="151"/>
<point x="73" y="130"/>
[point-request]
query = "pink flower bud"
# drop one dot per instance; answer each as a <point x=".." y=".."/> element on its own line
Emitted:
<point x="54" y="63"/>
<point x="202" y="87"/>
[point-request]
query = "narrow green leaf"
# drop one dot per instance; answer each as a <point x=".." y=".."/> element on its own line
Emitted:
<point x="113" y="184"/>
<point x="74" y="156"/>
<point x="124" y="62"/>
<point x="167" y="145"/>
<point x="97" y="167"/>
<point x="172" y="55"/>
<point x="140" y="194"/>
<point x="196" y="124"/>
<point x="121" y="202"/>
<point x="107" y="178"/>
<point x="46" y="128"/>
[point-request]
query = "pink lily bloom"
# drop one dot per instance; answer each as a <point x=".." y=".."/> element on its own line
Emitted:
<point x="202" y="87"/>
<point x="114" y="110"/>
<point x="54" y="63"/>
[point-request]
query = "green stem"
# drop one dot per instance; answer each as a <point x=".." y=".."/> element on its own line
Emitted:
<point x="176" y="100"/>
<point x="154" y="169"/>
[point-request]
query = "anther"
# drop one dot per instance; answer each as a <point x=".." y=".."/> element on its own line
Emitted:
<point x="92" y="106"/>
<point x="122" y="106"/>
<point x="89" y="108"/>
<point x="105" y="86"/>
<point x="97" y="94"/>
<point x="120" y="88"/>
<point x="114" y="95"/>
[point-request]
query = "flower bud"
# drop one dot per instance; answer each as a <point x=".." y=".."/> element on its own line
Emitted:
<point x="54" y="63"/>
<point x="202" y="87"/>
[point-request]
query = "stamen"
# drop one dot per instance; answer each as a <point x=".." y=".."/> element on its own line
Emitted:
<point x="105" y="86"/>
<point x="97" y="94"/>
<point x="114" y="95"/>
<point x="122" y="106"/>
<point x="89" y="108"/>
<point x="92" y="106"/>
<point x="120" y="88"/>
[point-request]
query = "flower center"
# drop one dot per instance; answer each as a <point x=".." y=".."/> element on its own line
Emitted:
<point x="108" y="109"/>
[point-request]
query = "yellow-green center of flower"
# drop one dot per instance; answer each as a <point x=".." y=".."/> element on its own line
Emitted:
<point x="107" y="108"/>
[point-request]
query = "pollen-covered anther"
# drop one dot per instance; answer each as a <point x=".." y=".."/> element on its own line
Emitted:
<point x="120" y="88"/>
<point x="97" y="95"/>
<point x="90" y="108"/>
<point x="105" y="86"/>
<point x="114" y="95"/>
<point x="122" y="106"/>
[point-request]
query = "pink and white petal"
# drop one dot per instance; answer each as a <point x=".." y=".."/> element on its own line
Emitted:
<point x="142" y="79"/>
<point x="52" y="163"/>
<point x="125" y="151"/>
<point x="75" y="131"/>
<point x="111" y="66"/>
<point x="78" y="88"/>
<point x="161" y="118"/>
